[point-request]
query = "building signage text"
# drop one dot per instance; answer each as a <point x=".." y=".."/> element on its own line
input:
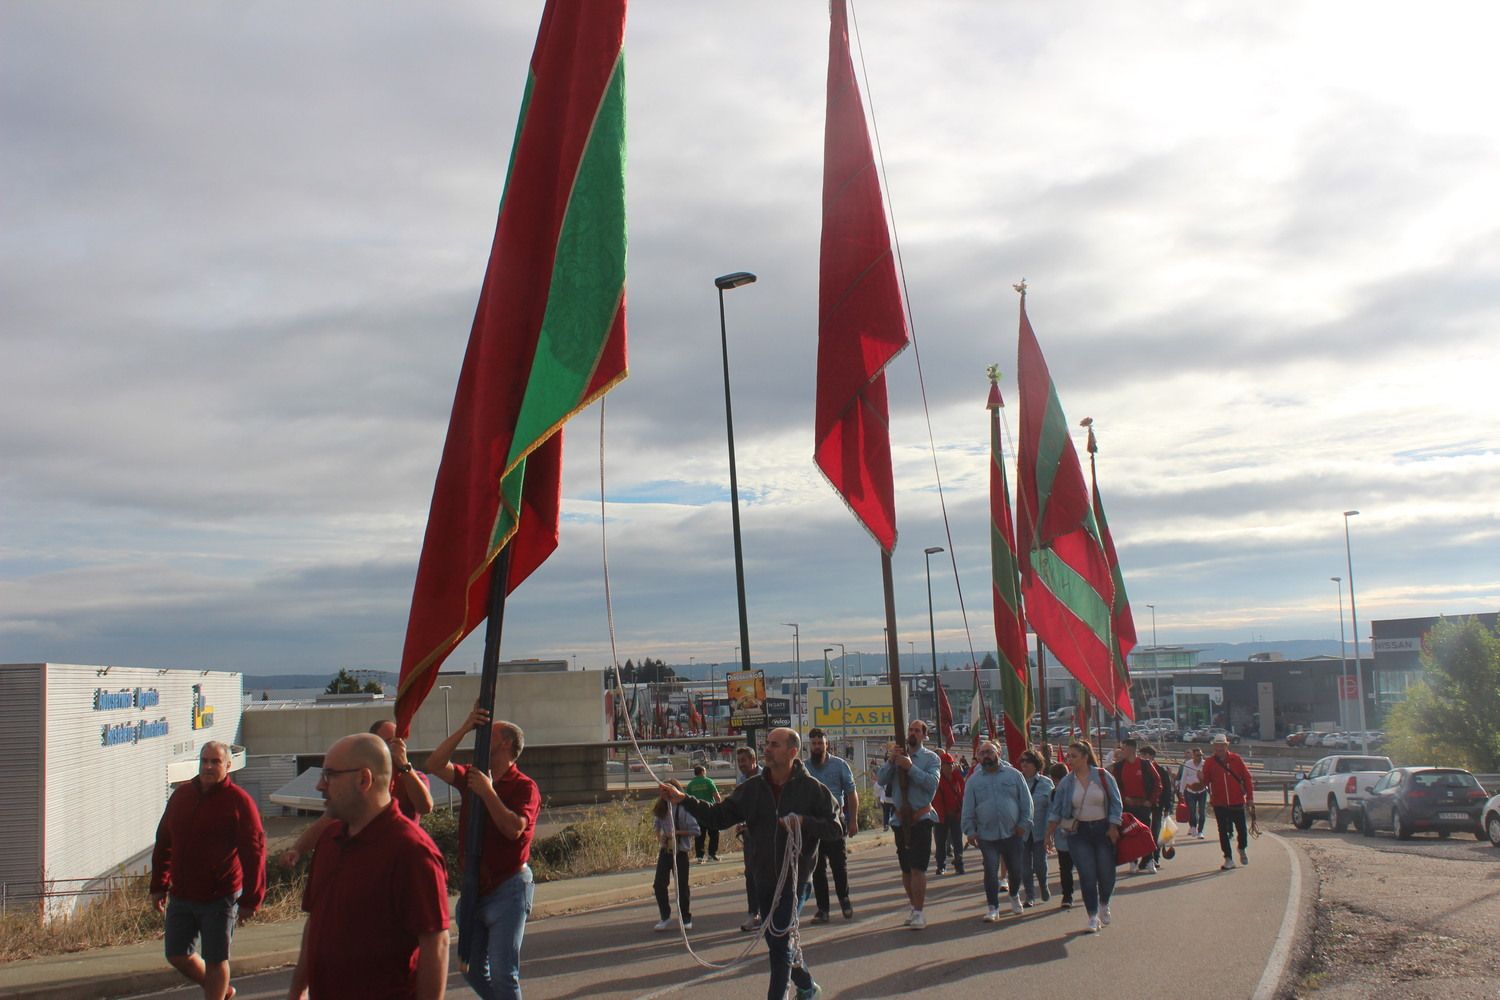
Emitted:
<point x="132" y="732"/>
<point x="107" y="701"/>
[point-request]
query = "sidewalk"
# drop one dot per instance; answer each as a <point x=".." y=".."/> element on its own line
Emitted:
<point x="140" y="967"/>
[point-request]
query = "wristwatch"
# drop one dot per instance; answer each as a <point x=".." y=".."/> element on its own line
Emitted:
<point x="405" y="769"/>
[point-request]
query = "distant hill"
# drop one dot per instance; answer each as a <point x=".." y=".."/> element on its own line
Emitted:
<point x="286" y="681"/>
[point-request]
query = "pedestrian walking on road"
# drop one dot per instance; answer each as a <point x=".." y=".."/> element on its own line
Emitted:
<point x="674" y="835"/>
<point x="377" y="891"/>
<point x="511" y="802"/>
<point x="208" y="870"/>
<point x="746" y="768"/>
<point x="1194" y="792"/>
<point x="1057" y="771"/>
<point x="911" y="773"/>
<point x="1231" y="789"/>
<point x="772" y="805"/>
<point x="1166" y="798"/>
<point x="703" y="788"/>
<point x="835" y="774"/>
<point x="1086" y="806"/>
<point x="949" y="803"/>
<point x="1034" y="847"/>
<point x="1139" y="789"/>
<point x="996" y="818"/>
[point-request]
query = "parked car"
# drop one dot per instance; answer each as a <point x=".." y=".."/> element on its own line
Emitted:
<point x="1296" y="739"/>
<point x="1410" y="800"/>
<point x="1314" y="738"/>
<point x="1334" y="788"/>
<point x="1491" y="820"/>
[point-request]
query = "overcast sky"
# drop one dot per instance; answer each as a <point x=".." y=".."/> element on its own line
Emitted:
<point x="241" y="245"/>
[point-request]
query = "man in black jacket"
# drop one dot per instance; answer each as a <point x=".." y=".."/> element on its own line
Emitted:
<point x="782" y="798"/>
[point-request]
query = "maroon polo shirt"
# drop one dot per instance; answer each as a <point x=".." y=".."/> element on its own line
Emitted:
<point x="368" y="897"/>
<point x="209" y="845"/>
<point x="502" y="856"/>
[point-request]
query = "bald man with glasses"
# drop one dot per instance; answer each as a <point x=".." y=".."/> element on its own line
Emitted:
<point x="377" y="891"/>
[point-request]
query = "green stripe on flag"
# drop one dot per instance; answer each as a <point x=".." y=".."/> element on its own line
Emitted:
<point x="1074" y="591"/>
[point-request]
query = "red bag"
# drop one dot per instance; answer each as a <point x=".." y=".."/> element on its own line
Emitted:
<point x="1135" y="840"/>
<point x="1182" y="812"/>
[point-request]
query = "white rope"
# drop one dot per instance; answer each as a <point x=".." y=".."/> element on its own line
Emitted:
<point x="794" y="831"/>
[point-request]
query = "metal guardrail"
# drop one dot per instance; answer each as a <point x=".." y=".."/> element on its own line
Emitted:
<point x="28" y="895"/>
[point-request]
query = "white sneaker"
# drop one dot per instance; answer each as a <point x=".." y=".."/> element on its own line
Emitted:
<point x="917" y="921"/>
<point x="993" y="916"/>
<point x="1192" y="831"/>
<point x="909" y="915"/>
<point x="687" y="925"/>
<point x="1104" y="915"/>
<point x="663" y="925"/>
<point x="1150" y="870"/>
<point x="1015" y="905"/>
<point x="1093" y="925"/>
<point x="1244" y="858"/>
<point x="1227" y="865"/>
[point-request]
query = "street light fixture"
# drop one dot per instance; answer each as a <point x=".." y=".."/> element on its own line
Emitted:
<point x="844" y="687"/>
<point x="797" y="659"/>
<point x="723" y="283"/>
<point x="1343" y="656"/>
<point x="927" y="554"/>
<point x="1156" y="664"/>
<point x="1359" y="674"/>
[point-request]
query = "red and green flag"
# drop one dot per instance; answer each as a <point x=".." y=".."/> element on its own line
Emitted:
<point x="945" y="717"/>
<point x="861" y="325"/>
<point x="1066" y="582"/>
<point x="548" y="336"/>
<point x="1121" y="618"/>
<point x="1010" y="620"/>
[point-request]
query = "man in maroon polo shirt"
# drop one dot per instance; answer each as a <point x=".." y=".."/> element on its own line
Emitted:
<point x="511" y="802"/>
<point x="377" y="892"/>
<point x="408" y="787"/>
<point x="208" y="870"/>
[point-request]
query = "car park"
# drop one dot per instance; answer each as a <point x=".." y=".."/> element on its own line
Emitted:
<point x="1491" y="820"/>
<point x="1411" y="800"/>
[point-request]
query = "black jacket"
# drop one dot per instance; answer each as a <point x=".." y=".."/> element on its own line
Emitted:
<point x="753" y="804"/>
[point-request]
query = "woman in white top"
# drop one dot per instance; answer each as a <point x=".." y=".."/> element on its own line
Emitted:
<point x="1194" y="792"/>
<point x="1087" y="807"/>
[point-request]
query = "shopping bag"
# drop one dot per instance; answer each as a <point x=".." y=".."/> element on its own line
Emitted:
<point x="1135" y="841"/>
<point x="1168" y="830"/>
<point x="1182" y="811"/>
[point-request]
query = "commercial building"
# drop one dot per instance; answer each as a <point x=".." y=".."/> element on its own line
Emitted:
<point x="91" y="754"/>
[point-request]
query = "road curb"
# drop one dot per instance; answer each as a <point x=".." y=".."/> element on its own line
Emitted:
<point x="1293" y="947"/>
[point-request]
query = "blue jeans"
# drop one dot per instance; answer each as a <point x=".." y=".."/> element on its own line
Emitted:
<point x="1197" y="803"/>
<point x="501" y="918"/>
<point x="1034" y="861"/>
<point x="1094" y="857"/>
<point x="991" y="852"/>
<point x="785" y="964"/>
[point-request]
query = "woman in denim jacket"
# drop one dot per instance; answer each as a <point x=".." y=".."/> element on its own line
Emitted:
<point x="1034" y="850"/>
<point x="1086" y="805"/>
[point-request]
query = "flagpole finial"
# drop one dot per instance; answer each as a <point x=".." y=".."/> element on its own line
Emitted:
<point x="1088" y="423"/>
<point x="1021" y="288"/>
<point x="993" y="371"/>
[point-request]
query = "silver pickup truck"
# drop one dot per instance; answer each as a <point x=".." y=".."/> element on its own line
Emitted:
<point x="1334" y="789"/>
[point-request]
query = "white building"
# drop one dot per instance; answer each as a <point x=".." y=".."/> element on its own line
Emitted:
<point x="90" y="755"/>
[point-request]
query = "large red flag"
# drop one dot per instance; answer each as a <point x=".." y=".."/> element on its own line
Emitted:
<point x="1121" y="619"/>
<point x="1010" y="622"/>
<point x="548" y="336"/>
<point x="861" y="325"/>
<point x="1065" y="578"/>
<point x="945" y="717"/>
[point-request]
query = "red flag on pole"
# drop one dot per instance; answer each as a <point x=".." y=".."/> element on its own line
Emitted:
<point x="945" y="718"/>
<point x="1120" y="617"/>
<point x="861" y="324"/>
<point x="1065" y="578"/>
<point x="548" y="336"/>
<point x="1010" y="622"/>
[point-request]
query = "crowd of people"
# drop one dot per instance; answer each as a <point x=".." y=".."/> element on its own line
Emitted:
<point x="1091" y="816"/>
<point x="377" y="895"/>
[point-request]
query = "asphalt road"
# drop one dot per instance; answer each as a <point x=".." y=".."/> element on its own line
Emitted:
<point x="1239" y="918"/>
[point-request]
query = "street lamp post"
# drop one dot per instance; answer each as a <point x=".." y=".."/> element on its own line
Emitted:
<point x="1359" y="674"/>
<point x="723" y="283"/>
<point x="447" y="727"/>
<point x="844" y="687"/>
<point x="1156" y="665"/>
<point x="797" y="659"/>
<point x="844" y="709"/>
<point x="1343" y="656"/>
<point x="927" y="554"/>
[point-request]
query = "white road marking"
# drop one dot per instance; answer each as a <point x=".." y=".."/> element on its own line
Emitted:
<point x="1281" y="951"/>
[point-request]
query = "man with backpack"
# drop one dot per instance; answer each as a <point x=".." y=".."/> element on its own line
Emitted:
<point x="1139" y="789"/>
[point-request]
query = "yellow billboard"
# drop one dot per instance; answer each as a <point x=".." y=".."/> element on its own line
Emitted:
<point x="865" y="711"/>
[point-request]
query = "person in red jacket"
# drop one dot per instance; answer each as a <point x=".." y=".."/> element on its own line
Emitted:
<point x="1231" y="789"/>
<point x="949" y="803"/>
<point x="208" y="870"/>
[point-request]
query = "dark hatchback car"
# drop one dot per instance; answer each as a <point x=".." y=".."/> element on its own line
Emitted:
<point x="1411" y="800"/>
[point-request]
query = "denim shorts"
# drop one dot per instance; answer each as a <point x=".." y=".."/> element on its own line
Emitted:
<point x="212" y="921"/>
<point x="914" y="847"/>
